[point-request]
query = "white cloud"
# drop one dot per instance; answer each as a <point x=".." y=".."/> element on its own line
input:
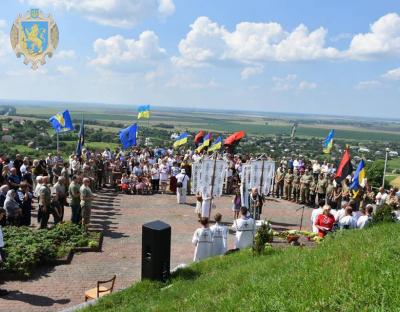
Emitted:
<point x="4" y="39"/>
<point x="305" y="85"/>
<point x="250" y="43"/>
<point x="166" y="7"/>
<point x="185" y="80"/>
<point x="367" y="84"/>
<point x="383" y="38"/>
<point x="117" y="53"/>
<point x="65" y="70"/>
<point x="247" y="72"/>
<point x="290" y="82"/>
<point x="393" y="74"/>
<point x="65" y="55"/>
<point x="117" y="13"/>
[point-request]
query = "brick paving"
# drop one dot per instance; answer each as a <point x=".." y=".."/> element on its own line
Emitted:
<point x="121" y="217"/>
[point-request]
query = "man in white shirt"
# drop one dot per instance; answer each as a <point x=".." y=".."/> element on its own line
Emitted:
<point x="220" y="236"/>
<point x="341" y="212"/>
<point x="380" y="198"/>
<point x="365" y="217"/>
<point x="181" y="183"/>
<point x="202" y="240"/>
<point x="245" y="228"/>
<point x="348" y="221"/>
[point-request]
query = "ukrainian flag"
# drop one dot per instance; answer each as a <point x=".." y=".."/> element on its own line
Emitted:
<point x="144" y="111"/>
<point x="62" y="122"/>
<point x="216" y="145"/>
<point x="328" y="142"/>
<point x="181" y="140"/>
<point x="206" y="142"/>
<point x="358" y="179"/>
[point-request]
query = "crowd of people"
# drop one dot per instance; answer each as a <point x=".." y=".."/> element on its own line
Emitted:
<point x="54" y="183"/>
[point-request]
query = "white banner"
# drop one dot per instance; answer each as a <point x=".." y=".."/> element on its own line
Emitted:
<point x="203" y="175"/>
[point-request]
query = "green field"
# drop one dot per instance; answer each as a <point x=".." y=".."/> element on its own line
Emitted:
<point x="356" y="271"/>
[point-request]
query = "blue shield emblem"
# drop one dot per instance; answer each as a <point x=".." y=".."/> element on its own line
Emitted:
<point x="35" y="36"/>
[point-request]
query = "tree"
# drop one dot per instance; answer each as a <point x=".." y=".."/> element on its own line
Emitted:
<point x="374" y="172"/>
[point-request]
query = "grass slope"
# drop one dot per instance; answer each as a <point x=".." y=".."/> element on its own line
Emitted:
<point x="356" y="271"/>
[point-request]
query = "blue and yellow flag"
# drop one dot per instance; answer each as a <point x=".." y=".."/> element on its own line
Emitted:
<point x="62" y="122"/>
<point x="358" y="178"/>
<point x="128" y="136"/>
<point x="217" y="144"/>
<point x="143" y="111"/>
<point x="328" y="142"/>
<point x="181" y="140"/>
<point x="206" y="142"/>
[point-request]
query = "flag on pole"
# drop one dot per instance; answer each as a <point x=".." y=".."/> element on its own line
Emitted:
<point x="217" y="144"/>
<point x="181" y="140"/>
<point x="235" y="138"/>
<point x="62" y="122"/>
<point x="128" y="136"/>
<point x="81" y="140"/>
<point x="345" y="167"/>
<point x="144" y="112"/>
<point x="206" y="142"/>
<point x="328" y="142"/>
<point x="198" y="139"/>
<point x="358" y="179"/>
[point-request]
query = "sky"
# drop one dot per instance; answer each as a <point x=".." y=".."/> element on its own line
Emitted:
<point x="306" y="56"/>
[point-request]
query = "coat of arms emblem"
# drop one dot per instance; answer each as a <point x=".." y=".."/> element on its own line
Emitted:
<point x="34" y="36"/>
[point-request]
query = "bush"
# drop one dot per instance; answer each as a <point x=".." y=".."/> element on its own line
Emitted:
<point x="383" y="214"/>
<point x="263" y="236"/>
<point x="374" y="172"/>
<point x="26" y="248"/>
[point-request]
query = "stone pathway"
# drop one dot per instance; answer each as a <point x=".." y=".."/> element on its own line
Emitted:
<point x="121" y="218"/>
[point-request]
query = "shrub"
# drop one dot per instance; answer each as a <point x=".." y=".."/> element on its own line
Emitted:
<point x="263" y="236"/>
<point x="383" y="214"/>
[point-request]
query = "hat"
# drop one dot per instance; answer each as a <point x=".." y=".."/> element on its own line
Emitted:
<point x="183" y="171"/>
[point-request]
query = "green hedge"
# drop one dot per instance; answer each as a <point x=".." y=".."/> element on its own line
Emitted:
<point x="26" y="248"/>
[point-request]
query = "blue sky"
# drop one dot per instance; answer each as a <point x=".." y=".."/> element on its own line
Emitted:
<point x="328" y="57"/>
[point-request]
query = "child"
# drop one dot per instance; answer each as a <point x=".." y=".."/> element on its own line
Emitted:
<point x="199" y="201"/>
<point x="125" y="183"/>
<point x="2" y="254"/>
<point x="236" y="205"/>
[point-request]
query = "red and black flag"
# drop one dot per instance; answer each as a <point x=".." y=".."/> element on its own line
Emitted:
<point x="345" y="167"/>
<point x="198" y="139"/>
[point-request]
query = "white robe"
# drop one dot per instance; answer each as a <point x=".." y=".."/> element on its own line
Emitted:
<point x="182" y="191"/>
<point x="245" y="230"/>
<point x="206" y="207"/>
<point x="362" y="221"/>
<point x="202" y="239"/>
<point x="220" y="237"/>
<point x="347" y="221"/>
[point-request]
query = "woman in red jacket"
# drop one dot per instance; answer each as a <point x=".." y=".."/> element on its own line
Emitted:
<point x="324" y="222"/>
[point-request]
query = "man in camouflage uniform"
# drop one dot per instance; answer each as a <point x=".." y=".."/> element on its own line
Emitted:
<point x="280" y="174"/>
<point x="44" y="202"/>
<point x="296" y="186"/>
<point x="305" y="182"/>
<point x="321" y="187"/>
<point x="86" y="202"/>
<point x="288" y="184"/>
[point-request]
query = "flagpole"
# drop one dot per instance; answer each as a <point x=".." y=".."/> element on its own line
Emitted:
<point x="58" y="143"/>
<point x="212" y="185"/>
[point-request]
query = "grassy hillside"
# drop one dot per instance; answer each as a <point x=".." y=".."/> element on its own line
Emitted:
<point x="356" y="271"/>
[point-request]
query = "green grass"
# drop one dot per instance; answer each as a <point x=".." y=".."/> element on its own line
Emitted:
<point x="356" y="271"/>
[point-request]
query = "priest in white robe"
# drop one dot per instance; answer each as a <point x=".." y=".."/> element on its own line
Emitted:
<point x="202" y="240"/>
<point x="245" y="228"/>
<point x="220" y="236"/>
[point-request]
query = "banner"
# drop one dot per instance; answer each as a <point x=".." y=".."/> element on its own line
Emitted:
<point x="203" y="174"/>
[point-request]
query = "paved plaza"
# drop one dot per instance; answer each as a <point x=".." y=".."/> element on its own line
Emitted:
<point x="121" y="217"/>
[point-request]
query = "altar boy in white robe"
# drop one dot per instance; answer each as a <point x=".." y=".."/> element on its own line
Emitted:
<point x="245" y="228"/>
<point x="220" y="236"/>
<point x="202" y="240"/>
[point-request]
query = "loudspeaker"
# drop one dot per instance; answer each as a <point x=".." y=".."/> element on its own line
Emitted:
<point x="156" y="251"/>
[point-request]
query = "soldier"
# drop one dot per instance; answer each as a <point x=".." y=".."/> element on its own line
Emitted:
<point x="305" y="182"/>
<point x="321" y="187"/>
<point x="288" y="185"/>
<point x="44" y="202"/>
<point x="280" y="174"/>
<point x="75" y="205"/>
<point x="86" y="202"/>
<point x="313" y="191"/>
<point x="296" y="186"/>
